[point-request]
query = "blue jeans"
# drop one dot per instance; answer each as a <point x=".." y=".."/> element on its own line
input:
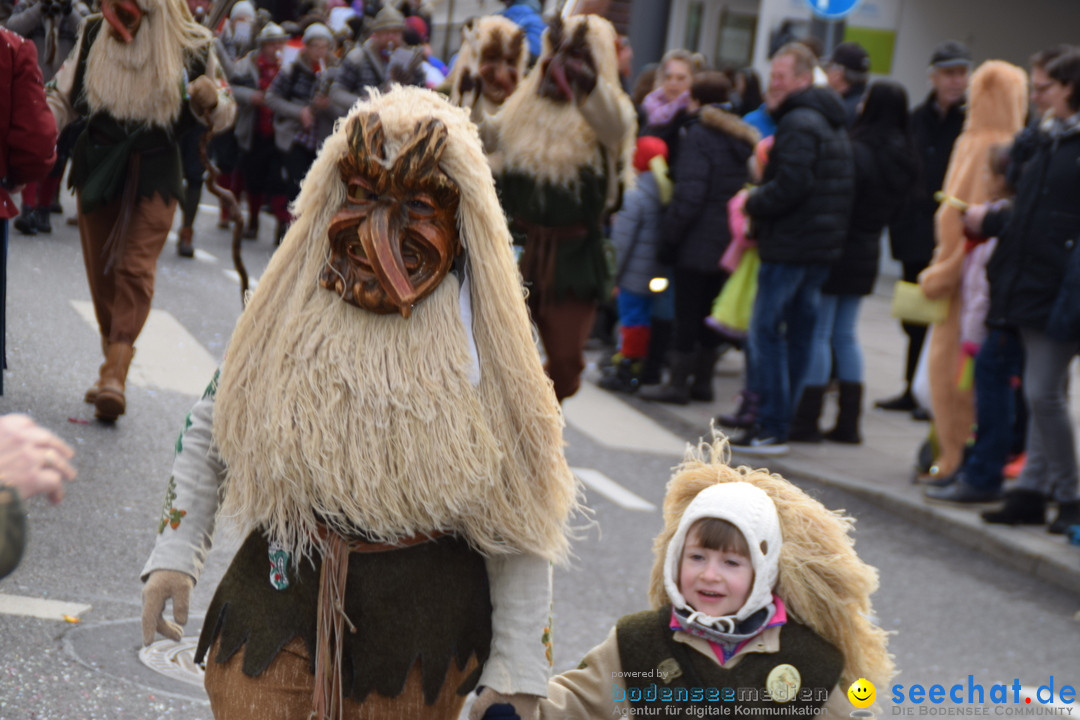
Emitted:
<point x="998" y="367"/>
<point x="835" y="339"/>
<point x="781" y="335"/>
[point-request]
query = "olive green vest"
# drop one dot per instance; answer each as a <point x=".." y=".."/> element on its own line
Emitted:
<point x="660" y="672"/>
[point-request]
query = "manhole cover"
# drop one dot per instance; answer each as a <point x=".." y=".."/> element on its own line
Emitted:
<point x="115" y="648"/>
<point x="174" y="660"/>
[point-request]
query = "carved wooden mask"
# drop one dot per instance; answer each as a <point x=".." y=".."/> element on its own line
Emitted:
<point x="396" y="238"/>
<point x="571" y="65"/>
<point x="124" y="18"/>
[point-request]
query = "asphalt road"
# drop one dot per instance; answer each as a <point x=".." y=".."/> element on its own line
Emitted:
<point x="954" y="612"/>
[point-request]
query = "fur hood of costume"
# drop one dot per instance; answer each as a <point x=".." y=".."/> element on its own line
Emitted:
<point x="552" y="141"/>
<point x="823" y="582"/>
<point x="996" y="111"/>
<point x="359" y="424"/>
<point x="475" y="36"/>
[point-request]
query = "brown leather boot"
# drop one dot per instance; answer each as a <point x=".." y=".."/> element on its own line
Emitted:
<point x="110" y="403"/>
<point x="92" y="391"/>
<point x="186" y="245"/>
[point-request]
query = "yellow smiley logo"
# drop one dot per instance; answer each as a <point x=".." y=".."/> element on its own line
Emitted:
<point x="862" y="693"/>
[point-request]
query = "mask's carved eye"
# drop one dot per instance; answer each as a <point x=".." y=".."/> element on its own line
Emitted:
<point x="421" y="205"/>
<point x="359" y="192"/>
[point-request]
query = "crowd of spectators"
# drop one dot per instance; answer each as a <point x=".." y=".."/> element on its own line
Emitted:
<point x="850" y="162"/>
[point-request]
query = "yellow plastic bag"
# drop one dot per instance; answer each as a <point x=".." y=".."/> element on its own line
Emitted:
<point x="911" y="306"/>
<point x="732" y="307"/>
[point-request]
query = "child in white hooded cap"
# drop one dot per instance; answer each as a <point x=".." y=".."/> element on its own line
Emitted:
<point x="721" y="634"/>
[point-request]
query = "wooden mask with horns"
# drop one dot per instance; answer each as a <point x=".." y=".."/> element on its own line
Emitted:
<point x="396" y="237"/>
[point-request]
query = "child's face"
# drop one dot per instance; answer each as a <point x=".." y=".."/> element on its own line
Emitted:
<point x="715" y="582"/>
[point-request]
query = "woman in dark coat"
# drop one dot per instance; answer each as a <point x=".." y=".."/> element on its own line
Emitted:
<point x="1032" y="287"/>
<point x="710" y="169"/>
<point x="885" y="169"/>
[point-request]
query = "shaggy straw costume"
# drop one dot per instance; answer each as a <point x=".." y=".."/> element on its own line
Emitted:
<point x="823" y="582"/>
<point x="562" y="165"/>
<point x="997" y="107"/>
<point x="126" y="164"/>
<point x="493" y="51"/>
<point x="431" y="443"/>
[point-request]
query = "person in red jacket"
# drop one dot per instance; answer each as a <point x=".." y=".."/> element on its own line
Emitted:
<point x="27" y="140"/>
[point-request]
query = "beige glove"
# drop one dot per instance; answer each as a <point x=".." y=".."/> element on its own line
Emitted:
<point x="203" y="94"/>
<point x="526" y="706"/>
<point x="163" y="585"/>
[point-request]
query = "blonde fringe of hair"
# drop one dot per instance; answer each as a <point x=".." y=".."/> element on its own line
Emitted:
<point x="552" y="141"/>
<point x="328" y="413"/>
<point x="822" y="581"/>
<point x="144" y="81"/>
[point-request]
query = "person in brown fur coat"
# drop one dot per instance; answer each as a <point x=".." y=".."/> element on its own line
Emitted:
<point x="997" y="107"/>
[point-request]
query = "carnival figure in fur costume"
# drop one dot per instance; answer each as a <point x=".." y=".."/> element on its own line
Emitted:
<point x="492" y="60"/>
<point x="996" y="111"/>
<point x="755" y="586"/>
<point x="563" y="145"/>
<point x="143" y="72"/>
<point x="384" y="429"/>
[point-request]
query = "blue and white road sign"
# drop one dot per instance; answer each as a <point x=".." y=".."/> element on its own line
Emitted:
<point x="832" y="9"/>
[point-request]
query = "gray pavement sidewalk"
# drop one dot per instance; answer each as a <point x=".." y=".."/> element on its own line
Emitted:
<point x="881" y="468"/>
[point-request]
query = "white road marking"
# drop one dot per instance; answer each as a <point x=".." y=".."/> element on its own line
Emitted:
<point x="39" y="607"/>
<point x="200" y="254"/>
<point x="167" y="356"/>
<point x="613" y="491"/>
<point x="611" y="422"/>
<point x="235" y="277"/>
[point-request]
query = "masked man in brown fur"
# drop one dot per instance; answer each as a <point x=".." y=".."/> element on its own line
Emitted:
<point x="491" y="62"/>
<point x="383" y="430"/>
<point x="562" y="143"/>
<point x="142" y="73"/>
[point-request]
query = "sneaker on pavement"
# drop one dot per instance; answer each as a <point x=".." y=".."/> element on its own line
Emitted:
<point x="757" y="443"/>
<point x="961" y="491"/>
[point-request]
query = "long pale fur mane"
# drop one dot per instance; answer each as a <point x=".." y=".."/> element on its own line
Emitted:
<point x="552" y="141"/>
<point x="822" y="581"/>
<point x="329" y="413"/>
<point x="143" y="81"/>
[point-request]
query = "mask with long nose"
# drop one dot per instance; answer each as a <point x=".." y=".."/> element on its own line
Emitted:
<point x="124" y="18"/>
<point x="396" y="237"/>
<point x="571" y="67"/>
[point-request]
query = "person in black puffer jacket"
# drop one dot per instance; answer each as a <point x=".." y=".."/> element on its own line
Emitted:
<point x="885" y="171"/>
<point x="801" y="214"/>
<point x="710" y="169"/>
<point x="1029" y="276"/>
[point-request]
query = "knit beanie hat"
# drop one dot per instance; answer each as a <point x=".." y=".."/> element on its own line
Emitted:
<point x="316" y="31"/>
<point x="753" y="513"/>
<point x="646" y="149"/>
<point x="417" y="23"/>
<point x="389" y="18"/>
<point x="271" y="31"/>
<point x="242" y="9"/>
